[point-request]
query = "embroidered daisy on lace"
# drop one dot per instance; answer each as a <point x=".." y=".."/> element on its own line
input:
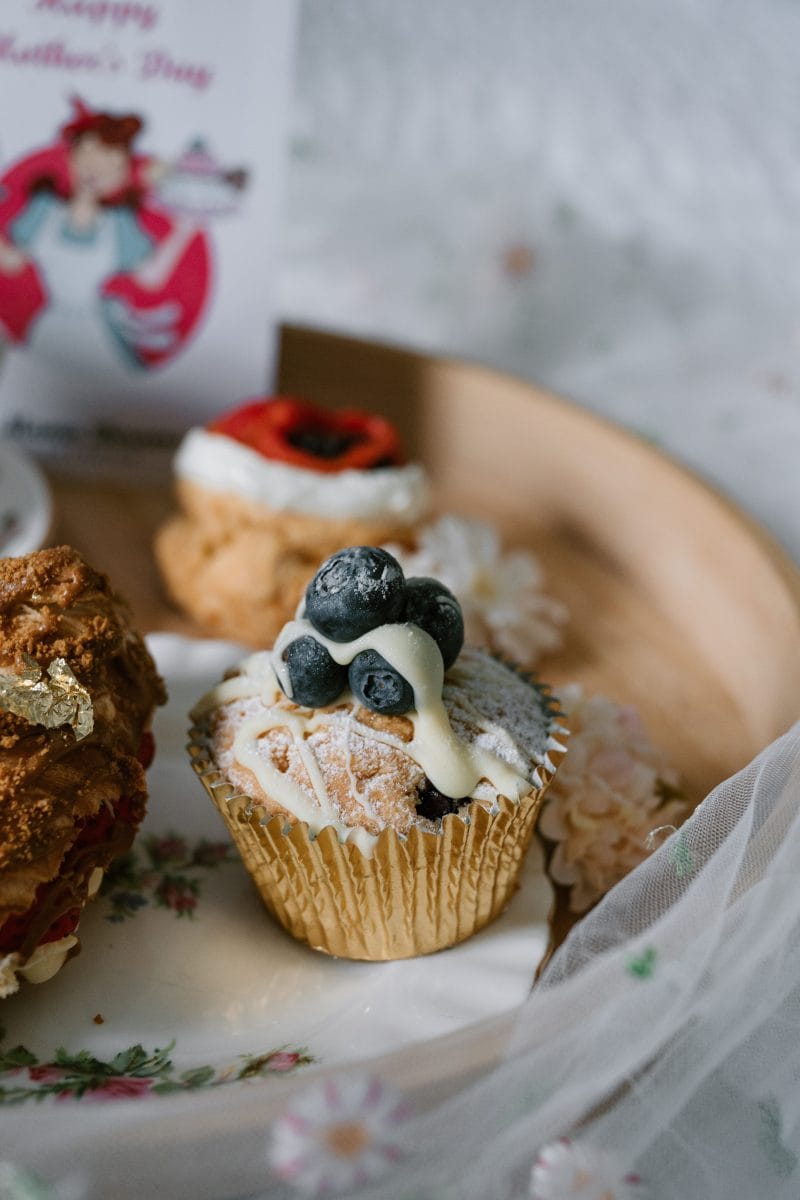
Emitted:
<point x="499" y="590"/>
<point x="567" y="1170"/>
<point x="612" y="789"/>
<point x="338" y="1136"/>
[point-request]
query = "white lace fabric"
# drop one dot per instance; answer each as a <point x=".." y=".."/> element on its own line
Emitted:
<point x="662" y="1040"/>
<point x="657" y="1059"/>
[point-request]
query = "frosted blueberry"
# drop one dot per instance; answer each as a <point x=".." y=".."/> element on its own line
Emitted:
<point x="434" y="608"/>
<point x="354" y="591"/>
<point x="316" y="680"/>
<point x="378" y="686"/>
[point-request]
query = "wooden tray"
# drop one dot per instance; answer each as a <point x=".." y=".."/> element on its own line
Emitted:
<point x="679" y="603"/>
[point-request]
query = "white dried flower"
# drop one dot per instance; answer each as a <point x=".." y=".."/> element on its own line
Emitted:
<point x="500" y="591"/>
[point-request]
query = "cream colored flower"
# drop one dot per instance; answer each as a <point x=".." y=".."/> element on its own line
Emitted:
<point x="612" y="789"/>
<point x="499" y="590"/>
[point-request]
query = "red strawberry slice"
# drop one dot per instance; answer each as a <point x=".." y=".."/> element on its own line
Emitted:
<point x="62" y="927"/>
<point x="13" y="930"/>
<point x="302" y="434"/>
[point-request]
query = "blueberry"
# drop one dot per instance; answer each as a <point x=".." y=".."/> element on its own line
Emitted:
<point x="315" y="678"/>
<point x="354" y="591"/>
<point x="435" y="609"/>
<point x="433" y="804"/>
<point x="376" y="684"/>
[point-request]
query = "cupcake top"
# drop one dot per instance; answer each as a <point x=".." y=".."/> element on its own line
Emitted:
<point x="292" y="456"/>
<point x="368" y="713"/>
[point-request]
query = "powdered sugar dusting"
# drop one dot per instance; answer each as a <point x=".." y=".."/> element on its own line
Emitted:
<point x="498" y="709"/>
<point x="365" y="776"/>
<point x="368" y="777"/>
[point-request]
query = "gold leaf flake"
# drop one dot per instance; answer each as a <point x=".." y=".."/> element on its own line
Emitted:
<point x="52" y="701"/>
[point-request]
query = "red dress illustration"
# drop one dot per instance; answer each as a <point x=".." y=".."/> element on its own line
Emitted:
<point x="92" y="269"/>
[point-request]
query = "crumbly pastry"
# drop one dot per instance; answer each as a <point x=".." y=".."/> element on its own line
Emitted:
<point x="268" y="492"/>
<point x="77" y="693"/>
<point x="380" y="780"/>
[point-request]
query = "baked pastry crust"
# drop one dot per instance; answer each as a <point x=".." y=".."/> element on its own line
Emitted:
<point x="52" y="786"/>
<point x="364" y="761"/>
<point x="240" y="569"/>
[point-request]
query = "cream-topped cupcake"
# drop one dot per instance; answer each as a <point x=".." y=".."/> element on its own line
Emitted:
<point x="380" y="780"/>
<point x="265" y="494"/>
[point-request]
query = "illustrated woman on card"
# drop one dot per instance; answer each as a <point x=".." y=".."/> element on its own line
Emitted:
<point x="93" y="267"/>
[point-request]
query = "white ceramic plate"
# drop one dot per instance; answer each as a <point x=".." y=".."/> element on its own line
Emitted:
<point x="182" y="954"/>
<point x="26" y="511"/>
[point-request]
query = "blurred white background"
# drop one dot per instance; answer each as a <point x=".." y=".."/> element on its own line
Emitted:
<point x="602" y="198"/>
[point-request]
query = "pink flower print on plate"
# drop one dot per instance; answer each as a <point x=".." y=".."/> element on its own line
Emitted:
<point x="122" y="1087"/>
<point x="282" y="1060"/>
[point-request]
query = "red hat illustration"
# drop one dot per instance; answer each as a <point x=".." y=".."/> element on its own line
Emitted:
<point x="110" y="128"/>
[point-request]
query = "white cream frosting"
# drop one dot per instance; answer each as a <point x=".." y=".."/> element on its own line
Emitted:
<point x="45" y="962"/>
<point x="220" y="463"/>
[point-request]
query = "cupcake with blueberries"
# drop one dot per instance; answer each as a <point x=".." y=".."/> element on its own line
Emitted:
<point x="265" y="493"/>
<point x="380" y="778"/>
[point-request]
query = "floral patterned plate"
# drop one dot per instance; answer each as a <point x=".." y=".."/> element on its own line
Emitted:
<point x="184" y="984"/>
<point x="26" y="511"/>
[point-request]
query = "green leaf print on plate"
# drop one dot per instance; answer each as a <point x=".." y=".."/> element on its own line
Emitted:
<point x="133" y="1072"/>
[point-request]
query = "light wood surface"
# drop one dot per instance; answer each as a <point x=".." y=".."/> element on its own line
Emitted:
<point x="678" y="602"/>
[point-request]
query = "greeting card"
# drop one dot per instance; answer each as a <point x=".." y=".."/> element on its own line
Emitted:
<point x="141" y="158"/>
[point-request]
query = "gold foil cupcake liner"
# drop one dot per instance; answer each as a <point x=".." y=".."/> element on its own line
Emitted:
<point x="413" y="895"/>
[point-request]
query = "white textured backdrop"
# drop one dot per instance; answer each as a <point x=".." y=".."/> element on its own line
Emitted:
<point x="602" y="197"/>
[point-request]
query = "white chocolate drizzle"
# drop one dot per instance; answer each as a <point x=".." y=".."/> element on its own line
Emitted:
<point x="487" y="766"/>
<point x="453" y="766"/>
